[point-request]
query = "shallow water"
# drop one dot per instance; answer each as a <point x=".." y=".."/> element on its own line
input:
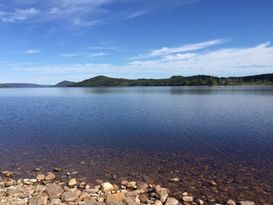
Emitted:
<point x="155" y="133"/>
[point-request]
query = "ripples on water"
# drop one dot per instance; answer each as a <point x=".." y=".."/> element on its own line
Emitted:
<point x="153" y="131"/>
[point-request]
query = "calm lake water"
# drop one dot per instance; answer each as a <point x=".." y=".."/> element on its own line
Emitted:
<point x="196" y="133"/>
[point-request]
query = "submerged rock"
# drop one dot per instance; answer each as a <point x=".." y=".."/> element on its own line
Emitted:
<point x="7" y="173"/>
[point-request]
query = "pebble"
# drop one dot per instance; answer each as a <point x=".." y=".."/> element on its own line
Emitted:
<point x="40" y="177"/>
<point x="175" y="179"/>
<point x="72" y="182"/>
<point x="107" y="186"/>
<point x="187" y="198"/>
<point x="247" y="203"/>
<point x="56" y="169"/>
<point x="231" y="202"/>
<point x="171" y="201"/>
<point x="50" y="176"/>
<point x="7" y="173"/>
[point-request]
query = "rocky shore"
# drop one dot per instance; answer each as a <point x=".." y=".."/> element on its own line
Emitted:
<point x="47" y="188"/>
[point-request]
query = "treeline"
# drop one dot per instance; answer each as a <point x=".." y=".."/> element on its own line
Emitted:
<point x="199" y="80"/>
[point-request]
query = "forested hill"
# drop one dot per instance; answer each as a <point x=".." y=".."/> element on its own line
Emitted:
<point x="265" y="79"/>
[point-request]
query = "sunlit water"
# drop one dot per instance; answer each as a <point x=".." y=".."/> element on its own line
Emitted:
<point x="156" y="132"/>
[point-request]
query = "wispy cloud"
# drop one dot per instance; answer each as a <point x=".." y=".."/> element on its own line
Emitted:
<point x="32" y="51"/>
<point x="82" y="13"/>
<point x="18" y="15"/>
<point x="103" y="48"/>
<point x="184" y="48"/>
<point x="84" y="54"/>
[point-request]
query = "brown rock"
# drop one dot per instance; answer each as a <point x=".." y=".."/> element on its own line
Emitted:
<point x="171" y="201"/>
<point x="143" y="198"/>
<point x="69" y="196"/>
<point x="40" y="177"/>
<point x="106" y="186"/>
<point x="57" y="169"/>
<point x="54" y="191"/>
<point x="163" y="194"/>
<point x="39" y="200"/>
<point x="7" y="173"/>
<point x="72" y="182"/>
<point x="115" y="199"/>
<point x="187" y="199"/>
<point x="50" y="176"/>
<point x="247" y="203"/>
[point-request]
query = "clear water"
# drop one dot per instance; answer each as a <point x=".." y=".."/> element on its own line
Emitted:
<point x="123" y="126"/>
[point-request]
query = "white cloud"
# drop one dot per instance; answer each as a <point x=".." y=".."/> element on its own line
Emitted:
<point x="99" y="54"/>
<point x="84" y="54"/>
<point x="32" y="51"/>
<point x="83" y="13"/>
<point x="18" y="15"/>
<point x="184" y="48"/>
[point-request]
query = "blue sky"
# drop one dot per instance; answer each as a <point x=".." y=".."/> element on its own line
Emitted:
<point x="50" y="41"/>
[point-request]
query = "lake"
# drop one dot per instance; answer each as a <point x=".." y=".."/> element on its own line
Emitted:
<point x="152" y="133"/>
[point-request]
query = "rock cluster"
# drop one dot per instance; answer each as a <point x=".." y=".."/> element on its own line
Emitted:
<point x="46" y="189"/>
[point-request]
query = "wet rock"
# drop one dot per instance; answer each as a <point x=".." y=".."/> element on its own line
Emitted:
<point x="106" y="187"/>
<point x="57" y="169"/>
<point x="131" y="185"/>
<point x="187" y="199"/>
<point x="10" y="182"/>
<point x="213" y="183"/>
<point x="50" y="176"/>
<point x="69" y="196"/>
<point x="247" y="203"/>
<point x="72" y="182"/>
<point x="163" y="194"/>
<point x="142" y="186"/>
<point x="171" y="201"/>
<point x="54" y="191"/>
<point x="7" y="173"/>
<point x="175" y="179"/>
<point x="40" y="177"/>
<point x="200" y="202"/>
<point x="115" y="199"/>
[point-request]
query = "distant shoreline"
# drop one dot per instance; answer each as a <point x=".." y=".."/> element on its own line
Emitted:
<point x="198" y="80"/>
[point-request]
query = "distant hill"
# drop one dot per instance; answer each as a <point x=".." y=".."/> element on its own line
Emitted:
<point x="198" y="80"/>
<point x="21" y="85"/>
<point x="64" y="83"/>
